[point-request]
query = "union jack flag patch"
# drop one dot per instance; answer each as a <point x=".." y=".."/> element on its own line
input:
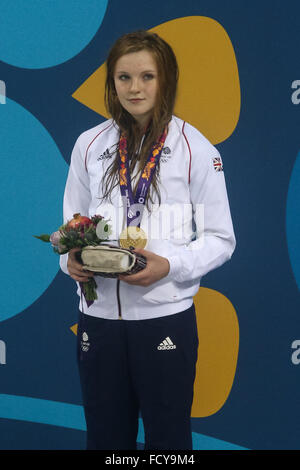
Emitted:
<point x="218" y="165"/>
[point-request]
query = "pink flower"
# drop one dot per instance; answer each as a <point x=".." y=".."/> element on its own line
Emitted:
<point x="55" y="238"/>
<point x="55" y="241"/>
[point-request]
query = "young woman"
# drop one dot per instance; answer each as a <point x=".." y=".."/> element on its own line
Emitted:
<point x="145" y="168"/>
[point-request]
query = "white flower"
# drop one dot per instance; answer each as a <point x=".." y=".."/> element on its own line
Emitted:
<point x="103" y="230"/>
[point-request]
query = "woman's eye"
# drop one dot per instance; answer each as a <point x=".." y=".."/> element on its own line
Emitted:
<point x="123" y="77"/>
<point x="148" y="76"/>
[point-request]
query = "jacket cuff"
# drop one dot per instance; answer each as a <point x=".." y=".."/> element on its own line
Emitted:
<point x="63" y="263"/>
<point x="175" y="265"/>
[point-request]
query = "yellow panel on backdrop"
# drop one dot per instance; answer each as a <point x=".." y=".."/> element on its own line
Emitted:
<point x="74" y="328"/>
<point x="208" y="88"/>
<point x="218" y="332"/>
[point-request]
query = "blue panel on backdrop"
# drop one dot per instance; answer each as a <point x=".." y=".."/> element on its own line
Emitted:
<point x="32" y="186"/>
<point x="293" y="220"/>
<point x="24" y="435"/>
<point x="71" y="416"/>
<point x="42" y="411"/>
<point x="49" y="32"/>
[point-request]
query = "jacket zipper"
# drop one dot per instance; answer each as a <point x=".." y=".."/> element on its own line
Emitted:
<point x="118" y="298"/>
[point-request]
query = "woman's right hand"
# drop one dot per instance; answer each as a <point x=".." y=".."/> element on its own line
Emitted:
<point x="76" y="269"/>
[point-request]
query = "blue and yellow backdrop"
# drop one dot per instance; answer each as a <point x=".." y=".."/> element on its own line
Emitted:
<point x="240" y="86"/>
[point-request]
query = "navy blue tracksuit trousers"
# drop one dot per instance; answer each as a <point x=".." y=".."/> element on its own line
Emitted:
<point x="127" y="366"/>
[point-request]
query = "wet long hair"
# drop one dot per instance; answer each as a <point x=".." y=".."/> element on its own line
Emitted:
<point x="167" y="69"/>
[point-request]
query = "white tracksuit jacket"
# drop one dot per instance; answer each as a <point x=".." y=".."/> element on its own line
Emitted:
<point x="192" y="227"/>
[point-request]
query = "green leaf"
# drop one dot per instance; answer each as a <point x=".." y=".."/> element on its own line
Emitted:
<point x="44" y="237"/>
<point x="89" y="289"/>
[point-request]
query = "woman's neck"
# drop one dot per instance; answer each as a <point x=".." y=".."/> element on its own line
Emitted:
<point x="143" y="125"/>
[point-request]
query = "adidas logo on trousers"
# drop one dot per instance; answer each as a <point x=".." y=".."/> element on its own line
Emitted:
<point x="166" y="344"/>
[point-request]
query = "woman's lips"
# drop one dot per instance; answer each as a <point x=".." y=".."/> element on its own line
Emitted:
<point x="136" y="100"/>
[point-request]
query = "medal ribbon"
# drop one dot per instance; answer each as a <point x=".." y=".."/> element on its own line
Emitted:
<point x="137" y="203"/>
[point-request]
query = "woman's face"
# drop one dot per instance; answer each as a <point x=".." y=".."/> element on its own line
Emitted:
<point x="136" y="83"/>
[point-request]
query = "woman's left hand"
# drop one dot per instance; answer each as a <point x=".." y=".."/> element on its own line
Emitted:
<point x="157" y="268"/>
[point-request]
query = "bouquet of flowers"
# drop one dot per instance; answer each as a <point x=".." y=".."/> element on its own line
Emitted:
<point x="79" y="232"/>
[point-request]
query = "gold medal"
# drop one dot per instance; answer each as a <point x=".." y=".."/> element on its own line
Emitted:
<point x="133" y="236"/>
